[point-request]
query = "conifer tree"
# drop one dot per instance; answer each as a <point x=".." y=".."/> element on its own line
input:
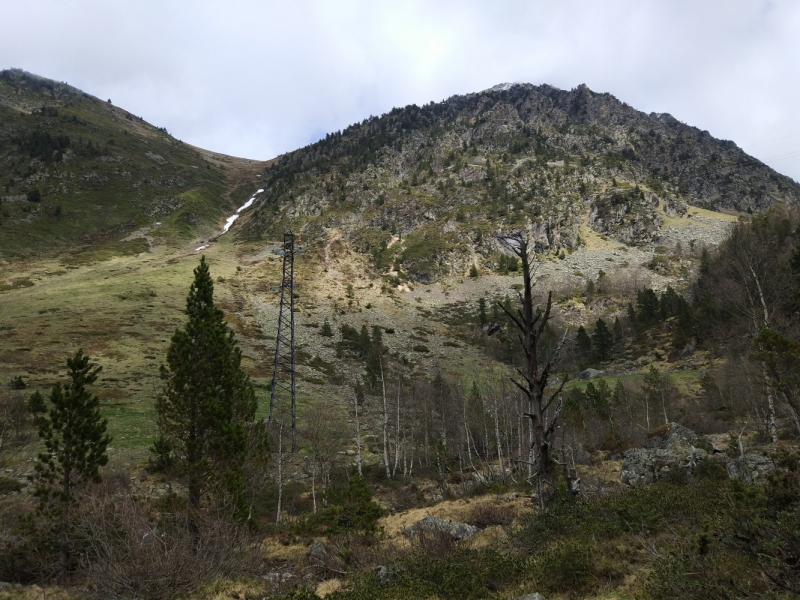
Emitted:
<point x="75" y="442"/>
<point x="602" y="339"/>
<point x="208" y="399"/>
<point x="583" y="341"/>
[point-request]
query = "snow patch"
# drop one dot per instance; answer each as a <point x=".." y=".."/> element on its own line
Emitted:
<point x="244" y="206"/>
<point x="502" y="87"/>
<point x="229" y="222"/>
<point x="201" y="248"/>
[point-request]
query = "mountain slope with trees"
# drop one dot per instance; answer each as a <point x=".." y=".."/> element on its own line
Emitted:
<point x="77" y="172"/>
<point x="445" y="177"/>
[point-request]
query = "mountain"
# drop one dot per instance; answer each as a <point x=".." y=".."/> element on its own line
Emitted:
<point x="79" y="173"/>
<point x="426" y="190"/>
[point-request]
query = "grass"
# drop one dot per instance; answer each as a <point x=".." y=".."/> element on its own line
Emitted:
<point x="93" y="198"/>
<point x="122" y="312"/>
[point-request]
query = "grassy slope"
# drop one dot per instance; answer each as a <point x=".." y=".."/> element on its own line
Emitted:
<point x="118" y="175"/>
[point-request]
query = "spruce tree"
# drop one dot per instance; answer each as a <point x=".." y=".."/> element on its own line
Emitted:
<point x="584" y="342"/>
<point x="602" y="339"/>
<point x="207" y="399"/>
<point x="75" y="442"/>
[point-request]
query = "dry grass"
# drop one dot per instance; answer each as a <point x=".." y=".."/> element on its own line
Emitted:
<point x="33" y="592"/>
<point x="328" y="587"/>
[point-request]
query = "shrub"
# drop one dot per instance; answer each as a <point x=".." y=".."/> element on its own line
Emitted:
<point x="488" y="514"/>
<point x="129" y="554"/>
<point x="351" y="508"/>
<point x="568" y="566"/>
<point x="420" y="348"/>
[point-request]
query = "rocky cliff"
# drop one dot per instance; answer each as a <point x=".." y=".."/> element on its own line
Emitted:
<point x="426" y="191"/>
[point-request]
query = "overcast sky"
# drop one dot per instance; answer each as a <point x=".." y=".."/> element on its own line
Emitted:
<point x="258" y="78"/>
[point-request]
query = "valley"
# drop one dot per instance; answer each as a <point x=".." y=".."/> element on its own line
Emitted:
<point x="406" y="347"/>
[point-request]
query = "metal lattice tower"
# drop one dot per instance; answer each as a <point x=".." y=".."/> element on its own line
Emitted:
<point x="283" y="374"/>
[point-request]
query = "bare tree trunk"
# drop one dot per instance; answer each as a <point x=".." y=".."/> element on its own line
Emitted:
<point x="497" y="439"/>
<point x="313" y="484"/>
<point x="519" y="428"/>
<point x="385" y="421"/>
<point x="280" y="473"/>
<point x="773" y="429"/>
<point x="397" y="428"/>
<point x="358" y="434"/>
<point x="532" y="328"/>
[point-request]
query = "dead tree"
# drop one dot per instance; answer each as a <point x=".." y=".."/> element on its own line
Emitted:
<point x="532" y="326"/>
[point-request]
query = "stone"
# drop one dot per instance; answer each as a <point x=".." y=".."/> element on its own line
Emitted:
<point x="590" y="374"/>
<point x="318" y="552"/>
<point x="751" y="468"/>
<point x="383" y="573"/>
<point x="671" y="437"/>
<point x="668" y="447"/>
<point x="457" y="531"/>
<point x="534" y="596"/>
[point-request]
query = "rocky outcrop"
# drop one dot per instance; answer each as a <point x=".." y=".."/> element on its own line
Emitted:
<point x="673" y="447"/>
<point x="751" y="468"/>
<point x="447" y="178"/>
<point x="458" y="531"/>
<point x="669" y="447"/>
<point x="590" y="374"/>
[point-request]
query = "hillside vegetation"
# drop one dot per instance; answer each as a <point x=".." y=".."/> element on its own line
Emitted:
<point x="445" y="179"/>
<point x="672" y="349"/>
<point x="77" y="173"/>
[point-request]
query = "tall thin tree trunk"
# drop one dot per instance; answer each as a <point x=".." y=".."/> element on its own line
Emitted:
<point x="358" y="434"/>
<point x="385" y="421"/>
<point x="397" y="429"/>
<point x="497" y="439"/>
<point x="313" y="484"/>
<point x="280" y="473"/>
<point x="773" y="428"/>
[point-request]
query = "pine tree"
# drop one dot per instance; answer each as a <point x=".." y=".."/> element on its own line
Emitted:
<point x="208" y="399"/>
<point x="482" y="318"/>
<point x="75" y="442"/>
<point x="583" y="341"/>
<point x="618" y="333"/>
<point x="602" y="339"/>
<point x="326" y="330"/>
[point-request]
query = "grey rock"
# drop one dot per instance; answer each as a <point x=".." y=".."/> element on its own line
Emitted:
<point x="277" y="577"/>
<point x="383" y="573"/>
<point x="672" y="437"/>
<point x="590" y="374"/>
<point x="671" y="448"/>
<point x="458" y="531"/>
<point x="534" y="596"/>
<point x="751" y="468"/>
<point x="318" y="552"/>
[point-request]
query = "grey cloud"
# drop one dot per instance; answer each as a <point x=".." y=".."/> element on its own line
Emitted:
<point x="257" y="79"/>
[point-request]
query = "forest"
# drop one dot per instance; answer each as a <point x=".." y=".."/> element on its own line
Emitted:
<point x="568" y="403"/>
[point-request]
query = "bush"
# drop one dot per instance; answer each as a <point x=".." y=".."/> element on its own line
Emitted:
<point x="350" y="509"/>
<point x="488" y="514"/>
<point x="568" y="566"/>
<point x="129" y="554"/>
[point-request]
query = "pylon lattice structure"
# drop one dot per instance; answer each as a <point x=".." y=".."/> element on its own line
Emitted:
<point x="283" y="373"/>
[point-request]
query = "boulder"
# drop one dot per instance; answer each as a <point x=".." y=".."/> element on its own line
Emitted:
<point x="590" y="374"/>
<point x="457" y="531"/>
<point x="669" y="447"/>
<point x="672" y="437"/>
<point x="751" y="468"/>
<point x="318" y="553"/>
<point x="534" y="596"/>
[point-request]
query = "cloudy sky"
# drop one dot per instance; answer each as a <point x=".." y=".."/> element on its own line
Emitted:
<point x="258" y="78"/>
